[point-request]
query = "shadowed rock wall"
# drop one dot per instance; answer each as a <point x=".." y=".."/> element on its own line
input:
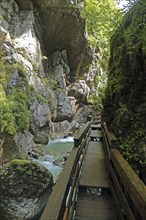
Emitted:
<point x="125" y="102"/>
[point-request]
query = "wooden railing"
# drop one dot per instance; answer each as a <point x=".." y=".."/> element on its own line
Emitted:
<point x="128" y="190"/>
<point x="62" y="200"/>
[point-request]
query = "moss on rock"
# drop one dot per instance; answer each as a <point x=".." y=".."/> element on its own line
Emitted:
<point x="124" y="104"/>
<point x="25" y="187"/>
<point x="14" y="98"/>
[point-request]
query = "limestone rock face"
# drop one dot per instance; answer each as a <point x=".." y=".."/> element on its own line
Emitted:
<point x="24" y="141"/>
<point x="66" y="31"/>
<point x="59" y="73"/>
<point x="25" y="188"/>
<point x="20" y="46"/>
<point x="124" y="105"/>
<point x="44" y="46"/>
<point x="15" y="146"/>
<point x="40" y="121"/>
<point x="80" y="91"/>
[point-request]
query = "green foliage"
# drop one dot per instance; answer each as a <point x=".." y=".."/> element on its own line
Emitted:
<point x="20" y="109"/>
<point x="116" y="82"/>
<point x="23" y="166"/>
<point x="134" y="33"/>
<point x="96" y="99"/>
<point x="7" y="118"/>
<point x="102" y="19"/>
<point x="125" y="83"/>
<point x="123" y="114"/>
<point x="131" y="149"/>
<point x="26" y="170"/>
<point x="38" y="95"/>
<point x="96" y="102"/>
<point x="52" y="82"/>
<point x="14" y="113"/>
<point x="130" y="43"/>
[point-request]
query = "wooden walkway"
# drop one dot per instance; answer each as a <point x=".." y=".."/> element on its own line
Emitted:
<point x="94" y="172"/>
<point x="94" y="201"/>
<point x="94" y="207"/>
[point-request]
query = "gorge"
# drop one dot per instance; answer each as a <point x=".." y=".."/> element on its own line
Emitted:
<point x="43" y="94"/>
<point x="48" y="71"/>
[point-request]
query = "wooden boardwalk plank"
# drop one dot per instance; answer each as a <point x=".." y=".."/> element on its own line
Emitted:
<point x="92" y="207"/>
<point x="96" y="133"/>
<point x="94" y="172"/>
<point x="100" y="183"/>
<point x="95" y="126"/>
<point x="95" y="147"/>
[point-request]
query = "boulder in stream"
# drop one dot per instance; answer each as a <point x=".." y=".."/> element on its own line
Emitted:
<point x="25" y="188"/>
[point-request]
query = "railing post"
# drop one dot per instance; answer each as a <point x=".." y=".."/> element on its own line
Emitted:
<point x="128" y="190"/>
<point x="57" y="207"/>
<point x="81" y="134"/>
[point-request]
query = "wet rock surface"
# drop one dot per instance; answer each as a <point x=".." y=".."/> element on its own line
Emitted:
<point x="25" y="188"/>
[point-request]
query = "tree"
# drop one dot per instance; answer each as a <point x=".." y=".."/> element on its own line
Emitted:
<point x="102" y="19"/>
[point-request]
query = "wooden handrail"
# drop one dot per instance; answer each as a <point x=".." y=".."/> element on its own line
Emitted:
<point x="60" y="201"/>
<point x="55" y="207"/>
<point x="128" y="190"/>
<point x="80" y="135"/>
<point x="111" y="139"/>
<point x="133" y="188"/>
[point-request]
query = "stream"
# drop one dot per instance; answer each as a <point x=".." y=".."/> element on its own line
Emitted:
<point x="55" y="150"/>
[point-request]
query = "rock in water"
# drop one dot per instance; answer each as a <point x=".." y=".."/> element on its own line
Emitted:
<point x="25" y="188"/>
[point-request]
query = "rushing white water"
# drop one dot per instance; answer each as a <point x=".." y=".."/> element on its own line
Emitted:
<point x="61" y="140"/>
<point x="54" y="169"/>
<point x="56" y="149"/>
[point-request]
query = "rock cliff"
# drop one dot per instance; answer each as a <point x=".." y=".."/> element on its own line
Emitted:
<point x="44" y="52"/>
<point x="125" y="102"/>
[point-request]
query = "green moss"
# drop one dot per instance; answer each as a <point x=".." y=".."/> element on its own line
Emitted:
<point x="130" y="146"/>
<point x="52" y="83"/>
<point x="26" y="170"/>
<point x="14" y="113"/>
<point x="116" y="83"/>
<point x="123" y="115"/>
<point x="39" y="96"/>
<point x="29" y="168"/>
<point x="126" y="86"/>
<point x="23" y="166"/>
<point x="96" y="101"/>
<point x="128" y="48"/>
